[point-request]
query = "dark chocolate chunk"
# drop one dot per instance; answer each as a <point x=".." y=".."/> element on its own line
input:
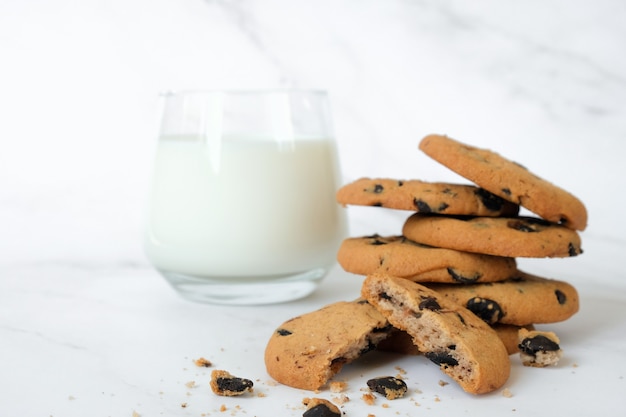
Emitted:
<point x="388" y="386"/>
<point x="430" y="304"/>
<point x="422" y="206"/>
<point x="320" y="410"/>
<point x="539" y="343"/>
<point x="522" y="226"/>
<point x="283" y="332"/>
<point x="462" y="279"/>
<point x="486" y="309"/>
<point x="573" y="250"/>
<point x="490" y="201"/>
<point x="378" y="189"/>
<point x="229" y="385"/>
<point x="506" y="191"/>
<point x="385" y="295"/>
<point x="441" y="358"/>
<point x="368" y="348"/>
<point x="560" y="296"/>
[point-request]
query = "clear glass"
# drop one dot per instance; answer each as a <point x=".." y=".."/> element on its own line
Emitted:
<point x="242" y="205"/>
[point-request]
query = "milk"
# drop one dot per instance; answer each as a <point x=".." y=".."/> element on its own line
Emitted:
<point x="243" y="207"/>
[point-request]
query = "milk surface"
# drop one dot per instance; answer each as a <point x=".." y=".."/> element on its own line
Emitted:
<point x="243" y="206"/>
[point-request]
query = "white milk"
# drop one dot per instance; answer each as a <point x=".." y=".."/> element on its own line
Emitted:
<point x="244" y="207"/>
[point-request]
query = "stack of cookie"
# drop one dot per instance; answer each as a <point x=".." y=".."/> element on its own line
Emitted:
<point x="448" y="285"/>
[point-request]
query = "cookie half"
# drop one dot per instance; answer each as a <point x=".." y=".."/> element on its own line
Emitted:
<point x="465" y="347"/>
<point x="308" y="350"/>
<point x="425" y="197"/>
<point x="528" y="237"/>
<point x="520" y="300"/>
<point x="401" y="257"/>
<point x="508" y="180"/>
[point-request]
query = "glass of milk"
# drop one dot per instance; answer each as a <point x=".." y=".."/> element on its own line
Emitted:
<point x="242" y="205"/>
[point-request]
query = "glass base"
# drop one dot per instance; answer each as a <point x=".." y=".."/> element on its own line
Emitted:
<point x="245" y="290"/>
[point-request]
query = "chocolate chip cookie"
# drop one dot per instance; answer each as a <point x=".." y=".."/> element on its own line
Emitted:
<point x="464" y="346"/>
<point x="521" y="300"/>
<point x="425" y="197"/>
<point x="308" y="350"/>
<point x="508" y="180"/>
<point x="500" y="236"/>
<point x="401" y="257"/>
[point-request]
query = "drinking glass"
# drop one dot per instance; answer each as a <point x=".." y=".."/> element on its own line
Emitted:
<point x="242" y="205"/>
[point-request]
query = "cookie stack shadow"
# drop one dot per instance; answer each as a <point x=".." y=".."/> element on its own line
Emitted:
<point x="447" y="285"/>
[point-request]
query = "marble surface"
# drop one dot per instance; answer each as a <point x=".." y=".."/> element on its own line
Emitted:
<point x="86" y="325"/>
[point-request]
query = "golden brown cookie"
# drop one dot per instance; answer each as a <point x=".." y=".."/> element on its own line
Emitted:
<point x="308" y="350"/>
<point x="464" y="346"/>
<point x="425" y="197"/>
<point x="529" y="237"/>
<point x="508" y="180"/>
<point x="521" y="300"/>
<point x="401" y="257"/>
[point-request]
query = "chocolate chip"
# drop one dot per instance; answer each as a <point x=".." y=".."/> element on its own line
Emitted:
<point x="490" y="201"/>
<point x="377" y="242"/>
<point x="384" y="295"/>
<point x="378" y="189"/>
<point x="464" y="280"/>
<point x="368" y="348"/>
<point x="283" y="332"/>
<point x="560" y="296"/>
<point x="223" y="383"/>
<point x="539" y="343"/>
<point x="486" y="309"/>
<point x="382" y="329"/>
<point x="441" y="358"/>
<point x="522" y="226"/>
<point x="320" y="410"/>
<point x="422" y="206"/>
<point x="506" y="191"/>
<point x="573" y="250"/>
<point x="388" y="386"/>
<point x="429" y="303"/>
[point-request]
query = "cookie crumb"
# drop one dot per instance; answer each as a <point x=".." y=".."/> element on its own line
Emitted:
<point x="539" y="349"/>
<point x="369" y="399"/>
<point x="225" y="384"/>
<point x="400" y="370"/>
<point x="190" y="384"/>
<point x="136" y="414"/>
<point x="507" y="393"/>
<point x="443" y="383"/>
<point x="183" y="405"/>
<point x="223" y="408"/>
<point x="338" y="386"/>
<point x="203" y="363"/>
<point x="319" y="407"/>
<point x="342" y="399"/>
<point x="388" y="386"/>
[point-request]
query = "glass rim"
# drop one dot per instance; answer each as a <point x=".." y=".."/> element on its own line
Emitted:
<point x="247" y="91"/>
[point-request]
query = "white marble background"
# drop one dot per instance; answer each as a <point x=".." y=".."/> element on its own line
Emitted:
<point x="541" y="81"/>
